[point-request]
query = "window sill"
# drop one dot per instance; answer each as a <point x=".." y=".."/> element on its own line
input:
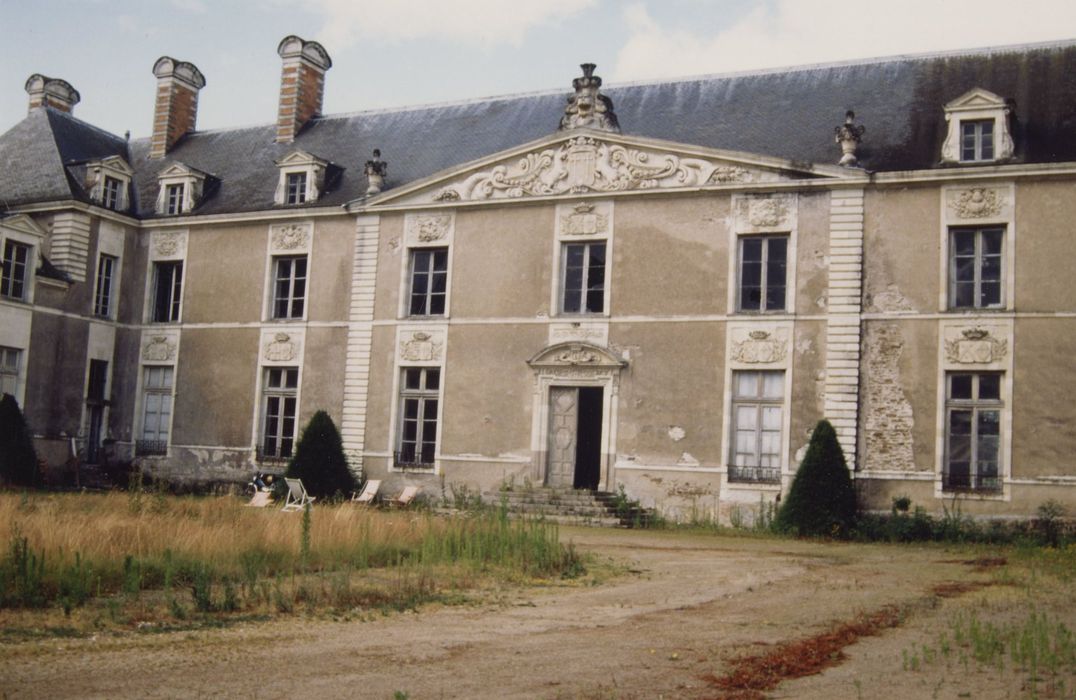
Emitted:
<point x="754" y="485"/>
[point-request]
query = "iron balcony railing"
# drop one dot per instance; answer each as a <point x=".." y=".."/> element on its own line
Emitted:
<point x="755" y="475"/>
<point x="975" y="483"/>
<point x="150" y="448"/>
<point x="410" y="460"/>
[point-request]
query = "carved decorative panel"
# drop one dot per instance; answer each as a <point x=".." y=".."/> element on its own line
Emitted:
<point x="168" y="245"/>
<point x="977" y="203"/>
<point x="421" y="345"/>
<point x="975" y="346"/>
<point x="282" y="346"/>
<point x="429" y="228"/>
<point x="765" y="213"/>
<point x="594" y="333"/>
<point x="587" y="164"/>
<point x="759" y="344"/>
<point x="291" y="237"/>
<point x="159" y="347"/>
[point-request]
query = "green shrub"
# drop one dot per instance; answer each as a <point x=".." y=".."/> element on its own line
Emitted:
<point x="319" y="459"/>
<point x="18" y="460"/>
<point x="822" y="500"/>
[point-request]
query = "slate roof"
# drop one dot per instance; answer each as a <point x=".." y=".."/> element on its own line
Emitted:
<point x="787" y="113"/>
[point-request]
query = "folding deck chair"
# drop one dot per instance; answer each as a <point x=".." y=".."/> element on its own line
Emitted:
<point x="368" y="494"/>
<point x="297" y="496"/>
<point x="261" y="499"/>
<point x="405" y="497"/>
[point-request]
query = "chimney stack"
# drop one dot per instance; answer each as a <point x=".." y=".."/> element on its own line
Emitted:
<point x="302" y="85"/>
<point x="176" y="110"/>
<point x="51" y="92"/>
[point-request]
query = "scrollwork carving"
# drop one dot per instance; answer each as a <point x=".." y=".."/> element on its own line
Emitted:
<point x="429" y="227"/>
<point x="422" y="347"/>
<point x="282" y="348"/>
<point x="159" y="348"/>
<point x="976" y="203"/>
<point x="976" y="346"/>
<point x="291" y="237"/>
<point x="759" y="348"/>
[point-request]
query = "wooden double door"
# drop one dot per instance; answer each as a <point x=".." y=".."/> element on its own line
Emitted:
<point x="575" y="437"/>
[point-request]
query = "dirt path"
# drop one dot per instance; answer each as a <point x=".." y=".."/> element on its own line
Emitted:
<point x="692" y="602"/>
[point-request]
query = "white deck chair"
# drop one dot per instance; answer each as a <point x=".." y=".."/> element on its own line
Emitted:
<point x="368" y="494"/>
<point x="297" y="496"/>
<point x="261" y="499"/>
<point x="405" y="497"/>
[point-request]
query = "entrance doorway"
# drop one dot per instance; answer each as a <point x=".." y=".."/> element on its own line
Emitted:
<point x="575" y="433"/>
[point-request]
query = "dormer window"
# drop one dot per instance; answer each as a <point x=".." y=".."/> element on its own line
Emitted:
<point x="978" y="129"/>
<point x="302" y="177"/>
<point x="107" y="181"/>
<point x="181" y="189"/>
<point x="296" y="188"/>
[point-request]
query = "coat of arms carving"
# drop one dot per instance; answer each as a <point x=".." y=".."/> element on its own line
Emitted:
<point x="433" y="227"/>
<point x="167" y="244"/>
<point x="976" y="347"/>
<point x="422" y="347"/>
<point x="759" y="348"/>
<point x="281" y="348"/>
<point x="584" y="221"/>
<point x="159" y="348"/>
<point x="290" y="237"/>
<point x="976" y="203"/>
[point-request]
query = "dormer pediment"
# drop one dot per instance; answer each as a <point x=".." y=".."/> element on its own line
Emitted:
<point x="23" y="224"/>
<point x="180" y="170"/>
<point x="976" y="98"/>
<point x="301" y="158"/>
<point x="586" y="161"/>
<point x="301" y="178"/>
<point x="116" y="164"/>
<point x="978" y="129"/>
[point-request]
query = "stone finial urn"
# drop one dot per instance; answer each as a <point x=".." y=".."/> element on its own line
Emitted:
<point x="848" y="136"/>
<point x="376" y="170"/>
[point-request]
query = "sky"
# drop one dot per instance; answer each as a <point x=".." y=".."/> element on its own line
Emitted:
<point x="391" y="53"/>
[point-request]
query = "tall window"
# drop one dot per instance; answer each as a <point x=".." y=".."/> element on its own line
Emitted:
<point x="757" y="417"/>
<point x="584" y="278"/>
<point x="763" y="265"/>
<point x="9" y="371"/>
<point x="174" y="199"/>
<point x="972" y="431"/>
<point x="102" y="298"/>
<point x="289" y="286"/>
<point x="975" y="271"/>
<point x="418" y="417"/>
<point x="279" y="403"/>
<point x="977" y="140"/>
<point x="429" y="281"/>
<point x="167" y="291"/>
<point x="111" y="193"/>
<point x="14" y="274"/>
<point x="296" y="188"/>
<point x="156" y="411"/>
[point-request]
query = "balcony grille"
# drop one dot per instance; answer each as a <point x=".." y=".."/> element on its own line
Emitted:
<point x="409" y="460"/>
<point x="267" y="457"/>
<point x="150" y="448"/>
<point x="755" y="475"/>
<point x="972" y="483"/>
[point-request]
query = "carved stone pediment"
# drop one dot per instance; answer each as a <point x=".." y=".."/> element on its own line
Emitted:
<point x="578" y="355"/>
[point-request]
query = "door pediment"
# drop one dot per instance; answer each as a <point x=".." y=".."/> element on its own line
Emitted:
<point x="576" y="355"/>
<point x="593" y="162"/>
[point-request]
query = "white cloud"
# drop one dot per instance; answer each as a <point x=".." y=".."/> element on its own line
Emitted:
<point x="196" y="6"/>
<point x="483" y="22"/>
<point x="791" y="32"/>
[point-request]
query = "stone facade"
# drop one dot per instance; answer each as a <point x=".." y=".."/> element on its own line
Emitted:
<point x="593" y="308"/>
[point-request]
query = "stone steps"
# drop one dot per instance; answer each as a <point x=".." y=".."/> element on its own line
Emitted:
<point x="571" y="507"/>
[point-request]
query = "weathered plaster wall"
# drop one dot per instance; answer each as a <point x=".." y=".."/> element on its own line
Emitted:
<point x="215" y="382"/>
<point x="670" y="256"/>
<point x="1044" y="216"/>
<point x="900" y="249"/>
<point x="808" y="355"/>
<point x="391" y="261"/>
<point x="502" y="262"/>
<point x="659" y="394"/>
<point x="381" y="402"/>
<point x="330" y="270"/>
<point x="1044" y="440"/>
<point x="812" y="253"/>
<point x="56" y="372"/>
<point x="323" y="374"/>
<point x="215" y="289"/>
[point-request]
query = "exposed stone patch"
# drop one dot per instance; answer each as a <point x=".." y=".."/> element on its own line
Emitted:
<point x="889" y="300"/>
<point x="888" y="429"/>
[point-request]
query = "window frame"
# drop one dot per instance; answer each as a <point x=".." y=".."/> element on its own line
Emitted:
<point x="764" y="285"/>
<point x="104" y="287"/>
<point x="431" y="273"/>
<point x="977" y="281"/>
<point x="174" y="198"/>
<point x="975" y="405"/>
<point x="16" y="287"/>
<point x="756" y="473"/>
<point x="175" y="294"/>
<point x="10" y="370"/>
<point x="587" y="270"/>
<point x="424" y="452"/>
<point x="112" y="193"/>
<point x="278" y="444"/>
<point x="158" y="444"/>
<point x="977" y="128"/>
<point x="289" y="299"/>
<point x="295" y="187"/>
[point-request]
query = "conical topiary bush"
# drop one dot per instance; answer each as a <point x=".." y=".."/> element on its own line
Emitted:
<point x="18" y="460"/>
<point x="319" y="459"/>
<point x="822" y="500"/>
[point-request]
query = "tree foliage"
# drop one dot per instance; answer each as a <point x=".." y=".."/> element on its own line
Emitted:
<point x="822" y="500"/>
<point x="18" y="460"/>
<point x="319" y="459"/>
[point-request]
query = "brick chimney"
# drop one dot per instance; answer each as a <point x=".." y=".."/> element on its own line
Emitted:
<point x="176" y="110"/>
<point x="302" y="85"/>
<point x="51" y="92"/>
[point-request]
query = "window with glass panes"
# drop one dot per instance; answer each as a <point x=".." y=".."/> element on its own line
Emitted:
<point x="419" y="391"/>
<point x="14" y="274"/>
<point x="757" y="419"/>
<point x="9" y="370"/>
<point x="583" y="291"/>
<point x="174" y="199"/>
<point x="763" y="264"/>
<point x="296" y="183"/>
<point x="167" y="291"/>
<point x="111" y="193"/>
<point x="429" y="282"/>
<point x="973" y="409"/>
<point x="975" y="268"/>
<point x="102" y="298"/>
<point x="977" y="140"/>
<point x="289" y="287"/>
<point x="156" y="410"/>
<point x="280" y="389"/>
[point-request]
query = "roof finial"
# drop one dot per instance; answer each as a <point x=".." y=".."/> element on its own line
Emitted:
<point x="848" y="135"/>
<point x="588" y="108"/>
<point x="376" y="170"/>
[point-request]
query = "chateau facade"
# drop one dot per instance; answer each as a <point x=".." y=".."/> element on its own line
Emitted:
<point x="659" y="286"/>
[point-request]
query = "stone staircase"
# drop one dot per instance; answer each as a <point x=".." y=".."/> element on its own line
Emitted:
<point x="573" y="507"/>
